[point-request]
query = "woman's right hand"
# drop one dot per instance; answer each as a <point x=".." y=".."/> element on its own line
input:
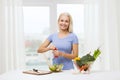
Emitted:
<point x="52" y="47"/>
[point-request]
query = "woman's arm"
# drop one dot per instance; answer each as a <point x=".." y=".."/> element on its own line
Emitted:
<point x="73" y="54"/>
<point x="44" y="47"/>
<point x="69" y="56"/>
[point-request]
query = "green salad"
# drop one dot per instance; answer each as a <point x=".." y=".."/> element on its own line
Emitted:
<point x="56" y="67"/>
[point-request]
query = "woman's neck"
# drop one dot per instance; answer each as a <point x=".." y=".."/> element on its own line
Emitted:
<point x="63" y="32"/>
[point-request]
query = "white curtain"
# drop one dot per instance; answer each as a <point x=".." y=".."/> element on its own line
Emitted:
<point x="11" y="35"/>
<point x="102" y="29"/>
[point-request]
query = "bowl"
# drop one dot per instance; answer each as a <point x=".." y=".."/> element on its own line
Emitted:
<point x="56" y="67"/>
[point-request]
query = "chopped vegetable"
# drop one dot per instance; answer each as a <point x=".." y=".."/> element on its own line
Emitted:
<point x="96" y="53"/>
<point x="56" y="67"/>
<point x="77" y="58"/>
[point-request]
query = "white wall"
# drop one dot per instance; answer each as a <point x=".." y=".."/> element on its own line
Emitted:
<point x="1" y="37"/>
<point x="118" y="17"/>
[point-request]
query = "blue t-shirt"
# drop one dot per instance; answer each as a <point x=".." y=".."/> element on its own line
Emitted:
<point x="63" y="45"/>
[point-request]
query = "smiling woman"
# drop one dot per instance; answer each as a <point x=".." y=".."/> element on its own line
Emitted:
<point x="63" y="44"/>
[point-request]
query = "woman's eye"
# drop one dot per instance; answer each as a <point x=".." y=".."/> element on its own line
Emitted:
<point x="66" y="21"/>
<point x="61" y="20"/>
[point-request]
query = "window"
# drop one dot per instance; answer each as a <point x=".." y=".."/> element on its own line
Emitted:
<point x="40" y="21"/>
<point x="36" y="29"/>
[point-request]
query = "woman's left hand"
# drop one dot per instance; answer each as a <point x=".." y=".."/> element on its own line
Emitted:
<point x="56" y="53"/>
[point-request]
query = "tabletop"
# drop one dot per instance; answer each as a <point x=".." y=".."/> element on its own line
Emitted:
<point x="64" y="75"/>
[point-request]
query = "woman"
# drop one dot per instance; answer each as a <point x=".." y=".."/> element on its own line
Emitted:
<point x="64" y="43"/>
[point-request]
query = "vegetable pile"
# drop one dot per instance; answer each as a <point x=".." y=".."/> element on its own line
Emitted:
<point x="84" y="62"/>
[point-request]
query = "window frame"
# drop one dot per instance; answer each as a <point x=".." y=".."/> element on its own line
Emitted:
<point x="53" y="8"/>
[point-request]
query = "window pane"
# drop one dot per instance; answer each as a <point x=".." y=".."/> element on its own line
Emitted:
<point x="77" y="13"/>
<point x="36" y="29"/>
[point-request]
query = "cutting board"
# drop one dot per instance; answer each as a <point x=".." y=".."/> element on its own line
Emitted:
<point x="39" y="72"/>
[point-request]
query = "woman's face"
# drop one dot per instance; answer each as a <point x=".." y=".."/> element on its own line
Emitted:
<point x="64" y="22"/>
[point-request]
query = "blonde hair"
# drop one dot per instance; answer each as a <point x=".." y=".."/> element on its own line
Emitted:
<point x="70" y="28"/>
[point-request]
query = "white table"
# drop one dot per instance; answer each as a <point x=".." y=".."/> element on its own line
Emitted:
<point x="64" y="75"/>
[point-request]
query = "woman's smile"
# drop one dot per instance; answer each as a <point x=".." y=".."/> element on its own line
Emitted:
<point x="64" y="22"/>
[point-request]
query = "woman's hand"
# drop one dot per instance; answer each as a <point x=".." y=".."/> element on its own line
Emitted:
<point x="52" y="47"/>
<point x="56" y="53"/>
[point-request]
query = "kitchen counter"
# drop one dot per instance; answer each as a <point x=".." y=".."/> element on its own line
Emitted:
<point x="64" y="75"/>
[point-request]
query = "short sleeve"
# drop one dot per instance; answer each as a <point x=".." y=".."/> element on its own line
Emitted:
<point x="50" y="37"/>
<point x="75" y="39"/>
